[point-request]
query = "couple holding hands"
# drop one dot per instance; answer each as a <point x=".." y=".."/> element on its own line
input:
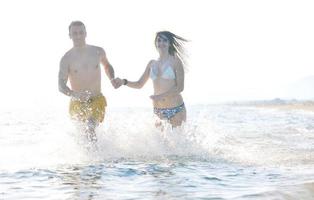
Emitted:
<point x="81" y="66"/>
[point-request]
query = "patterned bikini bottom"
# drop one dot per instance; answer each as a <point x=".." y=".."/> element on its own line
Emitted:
<point x="168" y="113"/>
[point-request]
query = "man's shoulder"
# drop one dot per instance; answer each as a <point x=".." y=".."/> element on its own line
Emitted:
<point x="68" y="53"/>
<point x="97" y="48"/>
<point x="66" y="56"/>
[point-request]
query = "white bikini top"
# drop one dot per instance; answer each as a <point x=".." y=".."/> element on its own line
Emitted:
<point x="167" y="72"/>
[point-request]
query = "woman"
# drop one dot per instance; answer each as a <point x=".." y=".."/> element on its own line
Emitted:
<point x="167" y="74"/>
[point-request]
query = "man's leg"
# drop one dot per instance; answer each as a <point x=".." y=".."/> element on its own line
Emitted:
<point x="90" y="130"/>
<point x="96" y="113"/>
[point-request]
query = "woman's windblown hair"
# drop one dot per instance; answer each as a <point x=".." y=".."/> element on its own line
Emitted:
<point x="176" y="44"/>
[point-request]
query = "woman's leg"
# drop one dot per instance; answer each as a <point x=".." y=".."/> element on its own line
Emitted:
<point x="177" y="120"/>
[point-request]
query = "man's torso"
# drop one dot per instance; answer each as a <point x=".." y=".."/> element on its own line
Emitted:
<point x="84" y="69"/>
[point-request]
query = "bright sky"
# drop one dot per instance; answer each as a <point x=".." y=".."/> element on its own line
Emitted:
<point x="239" y="50"/>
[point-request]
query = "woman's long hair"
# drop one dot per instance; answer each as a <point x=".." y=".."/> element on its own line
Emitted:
<point x="176" y="45"/>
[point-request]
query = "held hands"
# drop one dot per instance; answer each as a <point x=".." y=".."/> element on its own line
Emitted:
<point x="116" y="83"/>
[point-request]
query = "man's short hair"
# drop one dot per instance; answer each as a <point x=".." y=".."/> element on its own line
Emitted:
<point x="76" y="23"/>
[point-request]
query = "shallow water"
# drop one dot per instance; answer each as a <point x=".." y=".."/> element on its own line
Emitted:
<point x="222" y="152"/>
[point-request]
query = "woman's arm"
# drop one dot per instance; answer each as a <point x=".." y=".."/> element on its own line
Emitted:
<point x="141" y="82"/>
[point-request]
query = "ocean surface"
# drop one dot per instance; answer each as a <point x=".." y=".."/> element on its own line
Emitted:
<point x="222" y="152"/>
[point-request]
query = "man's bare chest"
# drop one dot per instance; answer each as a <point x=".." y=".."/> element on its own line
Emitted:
<point x="84" y="63"/>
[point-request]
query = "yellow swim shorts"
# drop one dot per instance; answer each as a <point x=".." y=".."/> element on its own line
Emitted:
<point x="93" y="108"/>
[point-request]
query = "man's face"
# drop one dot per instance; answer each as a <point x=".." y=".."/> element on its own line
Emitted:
<point x="77" y="34"/>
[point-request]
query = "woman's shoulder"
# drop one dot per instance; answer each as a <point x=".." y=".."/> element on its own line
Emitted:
<point x="151" y="63"/>
<point x="176" y="61"/>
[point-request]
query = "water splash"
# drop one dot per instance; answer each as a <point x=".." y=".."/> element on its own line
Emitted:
<point x="228" y="133"/>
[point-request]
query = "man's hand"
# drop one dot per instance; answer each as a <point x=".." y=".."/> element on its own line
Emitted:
<point x="116" y="83"/>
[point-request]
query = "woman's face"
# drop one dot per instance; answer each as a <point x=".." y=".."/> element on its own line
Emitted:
<point x="162" y="43"/>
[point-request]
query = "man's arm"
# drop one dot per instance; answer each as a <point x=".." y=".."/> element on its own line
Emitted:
<point x="107" y="66"/>
<point x="63" y="77"/>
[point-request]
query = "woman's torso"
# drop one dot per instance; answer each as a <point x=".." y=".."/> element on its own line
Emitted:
<point x="164" y="77"/>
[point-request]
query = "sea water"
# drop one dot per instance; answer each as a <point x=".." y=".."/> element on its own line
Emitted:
<point x="221" y="152"/>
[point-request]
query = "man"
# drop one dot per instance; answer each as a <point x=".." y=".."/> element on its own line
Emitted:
<point x="81" y="65"/>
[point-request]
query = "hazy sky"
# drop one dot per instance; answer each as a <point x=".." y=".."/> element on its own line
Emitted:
<point x="238" y="49"/>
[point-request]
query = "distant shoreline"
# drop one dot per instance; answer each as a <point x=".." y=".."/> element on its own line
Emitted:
<point x="305" y="105"/>
<point x="295" y="105"/>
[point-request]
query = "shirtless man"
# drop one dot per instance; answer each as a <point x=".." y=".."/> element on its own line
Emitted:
<point x="81" y="65"/>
